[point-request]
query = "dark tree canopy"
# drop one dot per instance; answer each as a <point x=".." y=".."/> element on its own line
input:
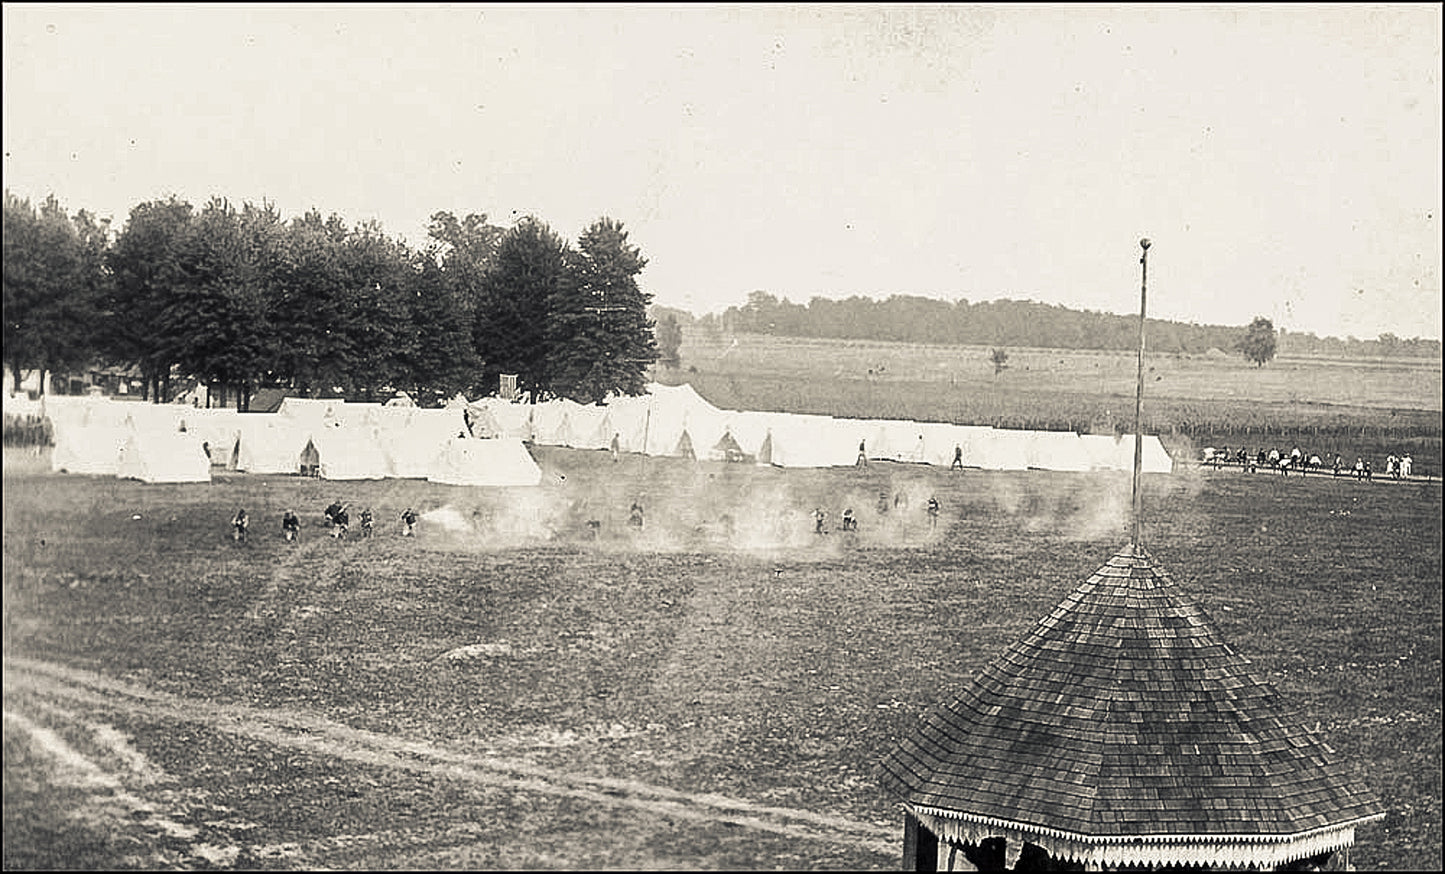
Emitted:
<point x="237" y="298"/>
<point x="1259" y="341"/>
<point x="55" y="281"/>
<point x="510" y="329"/>
<point x="600" y="337"/>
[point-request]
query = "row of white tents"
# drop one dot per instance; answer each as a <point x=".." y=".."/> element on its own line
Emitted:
<point x="677" y="421"/>
<point x="482" y="443"/>
<point x="332" y="439"/>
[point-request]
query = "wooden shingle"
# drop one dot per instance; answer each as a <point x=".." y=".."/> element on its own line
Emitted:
<point x="1123" y="715"/>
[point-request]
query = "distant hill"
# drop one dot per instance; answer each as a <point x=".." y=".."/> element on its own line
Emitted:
<point x="911" y="319"/>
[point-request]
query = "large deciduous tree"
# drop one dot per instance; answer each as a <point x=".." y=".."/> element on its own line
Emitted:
<point x="600" y="339"/>
<point x="511" y="325"/>
<point x="377" y="328"/>
<point x="218" y="319"/>
<point x="309" y="302"/>
<point x="1258" y="342"/>
<point x="149" y="262"/>
<point x="54" y="282"/>
<point x="450" y="278"/>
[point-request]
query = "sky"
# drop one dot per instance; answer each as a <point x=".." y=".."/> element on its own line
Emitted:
<point x="1284" y="160"/>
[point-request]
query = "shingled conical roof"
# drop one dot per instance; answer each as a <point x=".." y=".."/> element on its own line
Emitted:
<point x="1122" y="730"/>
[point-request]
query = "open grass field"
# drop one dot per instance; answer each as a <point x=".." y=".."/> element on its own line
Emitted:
<point x="1371" y="407"/>
<point x="516" y="689"/>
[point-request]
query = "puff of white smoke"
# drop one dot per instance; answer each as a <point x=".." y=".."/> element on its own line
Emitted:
<point x="448" y="518"/>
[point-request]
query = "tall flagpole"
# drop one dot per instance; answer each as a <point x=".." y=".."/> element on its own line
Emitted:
<point x="1139" y="392"/>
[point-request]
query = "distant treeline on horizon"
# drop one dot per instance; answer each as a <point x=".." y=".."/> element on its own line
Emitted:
<point x="912" y="319"/>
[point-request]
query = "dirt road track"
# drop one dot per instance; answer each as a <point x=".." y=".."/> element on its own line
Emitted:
<point x="314" y="734"/>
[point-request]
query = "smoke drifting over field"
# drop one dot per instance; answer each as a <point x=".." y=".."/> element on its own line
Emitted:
<point x="586" y="501"/>
<point x="1090" y="514"/>
<point x="688" y="507"/>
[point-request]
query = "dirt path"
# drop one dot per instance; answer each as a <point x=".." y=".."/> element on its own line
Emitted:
<point x="88" y="695"/>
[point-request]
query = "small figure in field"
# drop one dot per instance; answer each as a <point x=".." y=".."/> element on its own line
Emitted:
<point x="1242" y="456"/>
<point x="1285" y="463"/>
<point x="1295" y="457"/>
<point x="900" y="500"/>
<point x="1369" y="474"/>
<point x="932" y="513"/>
<point x="1274" y="457"/>
<point x="341" y="520"/>
<point x="1260" y="459"/>
<point x="594" y="528"/>
<point x="615" y="448"/>
<point x="330" y="513"/>
<point x="1392" y="466"/>
<point x="1315" y="463"/>
<point x="1339" y="464"/>
<point x="206" y="448"/>
<point x="957" y="463"/>
<point x="850" y="523"/>
<point x="366" y="523"/>
<point x="634" y="516"/>
<point x="239" y="523"/>
<point x="408" y="523"/>
<point x="862" y="455"/>
<point x="1406" y="465"/>
<point x="819" y="517"/>
<point x="1359" y="468"/>
<point x="290" y="526"/>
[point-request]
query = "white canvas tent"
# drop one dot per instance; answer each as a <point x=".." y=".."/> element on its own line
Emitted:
<point x="348" y="453"/>
<point x="630" y="420"/>
<point x="411" y="439"/>
<point x="157" y="456"/>
<point x="591" y="426"/>
<point x="1056" y="450"/>
<point x="1000" y="449"/>
<point x="1155" y="458"/>
<point x="308" y="410"/>
<point x="1108" y="452"/>
<point x="84" y="411"/>
<point x="501" y="461"/>
<point x="92" y="449"/>
<point x="217" y="429"/>
<point x="512" y="420"/>
<point x="268" y="443"/>
<point x="600" y="431"/>
<point x="796" y="440"/>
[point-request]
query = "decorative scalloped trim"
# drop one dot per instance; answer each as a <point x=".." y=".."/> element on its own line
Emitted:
<point x="1258" y="850"/>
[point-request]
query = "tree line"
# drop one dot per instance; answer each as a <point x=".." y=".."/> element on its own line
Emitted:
<point x="237" y="298"/>
<point x="1003" y="323"/>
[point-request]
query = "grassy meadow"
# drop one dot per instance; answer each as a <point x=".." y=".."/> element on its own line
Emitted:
<point x="1370" y="407"/>
<point x="516" y="688"/>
